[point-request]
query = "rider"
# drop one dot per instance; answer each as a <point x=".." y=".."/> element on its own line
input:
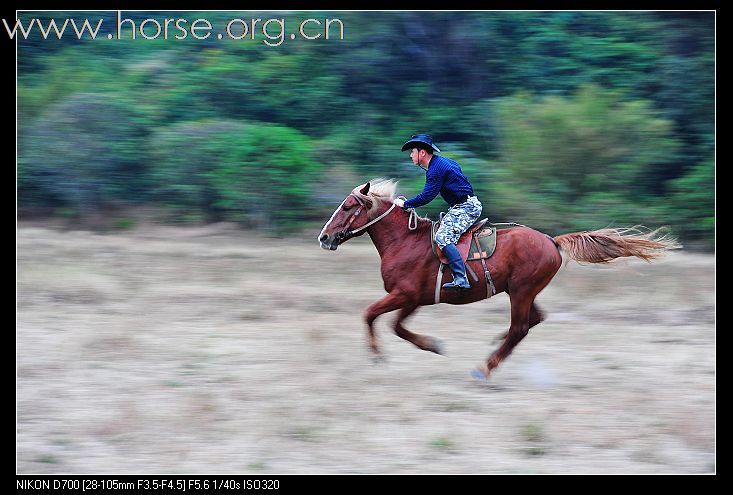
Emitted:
<point x="444" y="176"/>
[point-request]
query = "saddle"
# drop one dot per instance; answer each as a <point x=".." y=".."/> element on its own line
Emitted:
<point x="478" y="242"/>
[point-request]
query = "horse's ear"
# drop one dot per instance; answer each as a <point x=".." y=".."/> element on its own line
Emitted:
<point x="365" y="190"/>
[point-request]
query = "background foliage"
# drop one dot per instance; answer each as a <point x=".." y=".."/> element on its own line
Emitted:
<point x="562" y="120"/>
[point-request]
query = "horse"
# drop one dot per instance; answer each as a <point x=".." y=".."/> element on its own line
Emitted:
<point x="523" y="264"/>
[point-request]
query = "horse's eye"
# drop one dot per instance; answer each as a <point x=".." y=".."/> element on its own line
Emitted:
<point x="347" y="208"/>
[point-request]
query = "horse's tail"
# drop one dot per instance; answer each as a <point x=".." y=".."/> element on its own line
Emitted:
<point x="605" y="245"/>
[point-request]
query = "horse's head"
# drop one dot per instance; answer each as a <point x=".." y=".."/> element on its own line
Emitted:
<point x="350" y="215"/>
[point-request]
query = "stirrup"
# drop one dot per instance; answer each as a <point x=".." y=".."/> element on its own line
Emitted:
<point x="457" y="286"/>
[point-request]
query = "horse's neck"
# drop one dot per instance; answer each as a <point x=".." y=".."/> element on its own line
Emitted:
<point x="392" y="232"/>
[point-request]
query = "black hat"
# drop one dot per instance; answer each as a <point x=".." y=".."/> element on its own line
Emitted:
<point x="420" y="138"/>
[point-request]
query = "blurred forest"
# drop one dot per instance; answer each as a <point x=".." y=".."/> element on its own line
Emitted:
<point x="562" y="120"/>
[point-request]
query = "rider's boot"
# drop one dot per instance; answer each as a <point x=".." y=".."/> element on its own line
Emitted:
<point x="460" y="281"/>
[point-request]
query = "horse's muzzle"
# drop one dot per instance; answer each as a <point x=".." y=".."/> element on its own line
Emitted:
<point x="327" y="243"/>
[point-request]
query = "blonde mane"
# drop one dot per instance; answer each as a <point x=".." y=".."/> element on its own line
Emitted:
<point x="380" y="191"/>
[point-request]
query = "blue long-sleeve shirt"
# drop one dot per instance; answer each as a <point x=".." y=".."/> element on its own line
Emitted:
<point x="443" y="176"/>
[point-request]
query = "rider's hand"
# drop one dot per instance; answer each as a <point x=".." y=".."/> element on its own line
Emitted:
<point x="399" y="202"/>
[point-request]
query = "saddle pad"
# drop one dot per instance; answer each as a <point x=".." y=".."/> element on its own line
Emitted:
<point x="483" y="245"/>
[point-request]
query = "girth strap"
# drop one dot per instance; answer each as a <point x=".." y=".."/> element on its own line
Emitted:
<point x="438" y="280"/>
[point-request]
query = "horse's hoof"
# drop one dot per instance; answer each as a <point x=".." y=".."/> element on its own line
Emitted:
<point x="437" y="346"/>
<point x="479" y="375"/>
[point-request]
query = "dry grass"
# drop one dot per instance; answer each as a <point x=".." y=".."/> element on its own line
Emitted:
<point x="175" y="350"/>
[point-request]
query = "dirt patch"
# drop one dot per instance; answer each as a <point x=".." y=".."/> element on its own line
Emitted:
<point x="176" y="350"/>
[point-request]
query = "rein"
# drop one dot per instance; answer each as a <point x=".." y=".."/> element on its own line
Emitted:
<point x="348" y="234"/>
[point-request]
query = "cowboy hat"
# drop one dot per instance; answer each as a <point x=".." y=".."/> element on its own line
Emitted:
<point x="423" y="139"/>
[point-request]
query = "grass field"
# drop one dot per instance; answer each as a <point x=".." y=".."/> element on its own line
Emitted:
<point x="213" y="350"/>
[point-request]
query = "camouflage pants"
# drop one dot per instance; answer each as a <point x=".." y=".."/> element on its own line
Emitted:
<point x="458" y="219"/>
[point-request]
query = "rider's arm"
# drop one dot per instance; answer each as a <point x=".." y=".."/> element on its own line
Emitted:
<point x="433" y="183"/>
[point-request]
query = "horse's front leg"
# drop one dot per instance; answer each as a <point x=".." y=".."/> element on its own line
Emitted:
<point x="390" y="302"/>
<point x="424" y="342"/>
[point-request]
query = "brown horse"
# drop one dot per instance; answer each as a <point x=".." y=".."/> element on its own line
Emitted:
<point x="524" y="263"/>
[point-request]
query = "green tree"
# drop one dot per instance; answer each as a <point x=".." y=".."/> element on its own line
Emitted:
<point x="515" y="96"/>
<point x="691" y="204"/>
<point x="82" y="153"/>
<point x="254" y="173"/>
<point x="573" y="154"/>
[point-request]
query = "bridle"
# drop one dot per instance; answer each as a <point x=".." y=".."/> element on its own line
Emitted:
<point x="347" y="234"/>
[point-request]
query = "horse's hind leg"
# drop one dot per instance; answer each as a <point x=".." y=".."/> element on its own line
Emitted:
<point x="424" y="342"/>
<point x="536" y="315"/>
<point x="522" y="306"/>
